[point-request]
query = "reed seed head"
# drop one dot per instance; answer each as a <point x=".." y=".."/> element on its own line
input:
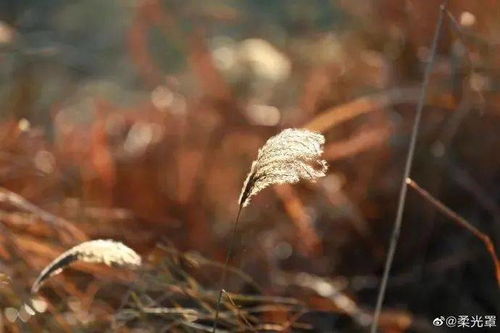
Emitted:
<point x="288" y="157"/>
<point x="107" y="252"/>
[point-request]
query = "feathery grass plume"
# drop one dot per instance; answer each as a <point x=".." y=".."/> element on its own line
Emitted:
<point x="100" y="251"/>
<point x="287" y="157"/>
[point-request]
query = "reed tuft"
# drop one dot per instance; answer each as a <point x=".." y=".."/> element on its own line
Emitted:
<point x="288" y="157"/>
<point x="99" y="251"/>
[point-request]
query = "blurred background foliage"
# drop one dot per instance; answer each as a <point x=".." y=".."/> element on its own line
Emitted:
<point x="137" y="120"/>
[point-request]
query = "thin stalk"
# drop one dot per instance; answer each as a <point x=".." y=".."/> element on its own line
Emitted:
<point x="407" y="170"/>
<point x="462" y="222"/>
<point x="232" y="242"/>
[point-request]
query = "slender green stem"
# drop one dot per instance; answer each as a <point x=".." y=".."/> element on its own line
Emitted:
<point x="409" y="161"/>
<point x="232" y="243"/>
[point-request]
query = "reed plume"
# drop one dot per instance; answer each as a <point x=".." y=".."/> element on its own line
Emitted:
<point x="107" y="252"/>
<point x="288" y="157"/>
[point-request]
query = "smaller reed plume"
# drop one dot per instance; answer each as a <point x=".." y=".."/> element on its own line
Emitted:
<point x="100" y="251"/>
<point x="288" y="157"/>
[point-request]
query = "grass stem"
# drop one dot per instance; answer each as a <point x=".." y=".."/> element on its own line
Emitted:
<point x="407" y="170"/>
<point x="462" y="222"/>
<point x="232" y="243"/>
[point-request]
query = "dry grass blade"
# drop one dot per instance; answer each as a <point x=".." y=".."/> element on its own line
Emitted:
<point x="239" y="313"/>
<point x="326" y="289"/>
<point x="56" y="222"/>
<point x="288" y="157"/>
<point x="339" y="114"/>
<point x="308" y="240"/>
<point x="102" y="251"/>
<point x="462" y="222"/>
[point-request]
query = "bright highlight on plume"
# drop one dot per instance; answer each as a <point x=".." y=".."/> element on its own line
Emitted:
<point x="288" y="157"/>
